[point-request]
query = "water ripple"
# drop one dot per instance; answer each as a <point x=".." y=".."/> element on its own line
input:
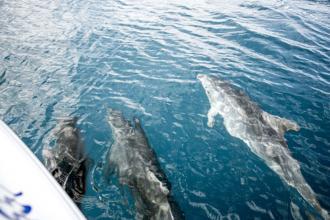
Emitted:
<point x="60" y="58"/>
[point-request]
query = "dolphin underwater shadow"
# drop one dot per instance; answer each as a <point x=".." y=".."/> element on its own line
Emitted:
<point x="261" y="131"/>
<point x="135" y="164"/>
<point x="66" y="161"/>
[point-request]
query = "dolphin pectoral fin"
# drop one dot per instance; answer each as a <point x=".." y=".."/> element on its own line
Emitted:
<point x="281" y="125"/>
<point x="290" y="125"/>
<point x="211" y="117"/>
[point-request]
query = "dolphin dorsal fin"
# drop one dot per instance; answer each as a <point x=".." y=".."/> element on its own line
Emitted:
<point x="136" y="122"/>
<point x="279" y="124"/>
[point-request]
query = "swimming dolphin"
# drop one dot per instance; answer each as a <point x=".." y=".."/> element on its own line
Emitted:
<point x="261" y="131"/>
<point x="135" y="163"/>
<point x="66" y="161"/>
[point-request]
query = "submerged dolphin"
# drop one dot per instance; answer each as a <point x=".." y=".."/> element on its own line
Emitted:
<point x="135" y="163"/>
<point x="261" y="131"/>
<point x="66" y="161"/>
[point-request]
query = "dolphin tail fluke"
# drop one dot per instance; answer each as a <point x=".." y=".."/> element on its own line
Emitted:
<point x="280" y="124"/>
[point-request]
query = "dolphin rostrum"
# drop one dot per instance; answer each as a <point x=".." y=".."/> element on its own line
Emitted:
<point x="136" y="165"/>
<point x="261" y="131"/>
<point x="66" y="161"/>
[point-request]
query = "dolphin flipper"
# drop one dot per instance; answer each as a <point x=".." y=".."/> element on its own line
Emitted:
<point x="281" y="125"/>
<point x="211" y="116"/>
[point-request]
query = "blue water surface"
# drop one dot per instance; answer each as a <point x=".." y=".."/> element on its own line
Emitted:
<point x="77" y="58"/>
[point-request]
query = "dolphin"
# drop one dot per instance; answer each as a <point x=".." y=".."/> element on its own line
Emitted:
<point x="135" y="163"/>
<point x="261" y="131"/>
<point x="66" y="161"/>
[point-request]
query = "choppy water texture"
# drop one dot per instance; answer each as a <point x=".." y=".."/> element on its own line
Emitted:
<point x="60" y="58"/>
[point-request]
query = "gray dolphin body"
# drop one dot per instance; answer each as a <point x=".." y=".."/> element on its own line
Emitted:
<point x="135" y="163"/>
<point x="66" y="161"/>
<point x="261" y="131"/>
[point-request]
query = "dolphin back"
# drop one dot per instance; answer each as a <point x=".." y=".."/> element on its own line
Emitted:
<point x="135" y="162"/>
<point x="66" y="160"/>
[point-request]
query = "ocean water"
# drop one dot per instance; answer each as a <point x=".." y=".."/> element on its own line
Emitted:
<point x="77" y="58"/>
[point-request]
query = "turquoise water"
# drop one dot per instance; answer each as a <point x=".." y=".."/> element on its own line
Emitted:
<point x="69" y="57"/>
